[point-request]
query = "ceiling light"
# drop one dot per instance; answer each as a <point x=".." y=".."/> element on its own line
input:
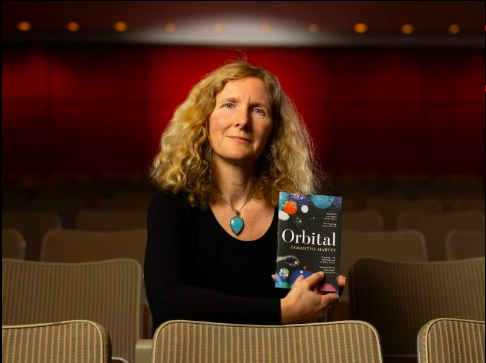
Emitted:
<point x="360" y="28"/>
<point x="266" y="27"/>
<point x="170" y="27"/>
<point x="313" y="28"/>
<point x="23" y="26"/>
<point x="72" y="26"/>
<point x="454" y="29"/>
<point x="407" y="29"/>
<point x="120" y="26"/>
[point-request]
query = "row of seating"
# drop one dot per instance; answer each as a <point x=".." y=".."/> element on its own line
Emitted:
<point x="396" y="298"/>
<point x="434" y="226"/>
<point x="34" y="225"/>
<point x="112" y="186"/>
<point x="439" y="341"/>
<point x="63" y="245"/>
<point x="138" y="201"/>
<point x="68" y="205"/>
<point x="107" y="292"/>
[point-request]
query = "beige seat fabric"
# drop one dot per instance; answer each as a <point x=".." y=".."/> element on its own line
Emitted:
<point x="110" y="221"/>
<point x="76" y="341"/>
<point x="391" y="208"/>
<point x="464" y="244"/>
<point x="33" y="226"/>
<point x="191" y="341"/>
<point x="435" y="227"/>
<point x="398" y="298"/>
<point x="108" y="292"/>
<point x="405" y="245"/>
<point x="448" y="340"/>
<point x="365" y="221"/>
<point x="86" y="246"/>
<point x="13" y="244"/>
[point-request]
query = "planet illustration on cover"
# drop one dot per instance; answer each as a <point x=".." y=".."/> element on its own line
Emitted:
<point x="299" y="272"/>
<point x="322" y="201"/>
<point x="284" y="273"/>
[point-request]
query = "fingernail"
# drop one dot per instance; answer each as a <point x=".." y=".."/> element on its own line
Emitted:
<point x="321" y="273"/>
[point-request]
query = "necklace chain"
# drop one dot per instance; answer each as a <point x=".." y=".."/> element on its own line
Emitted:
<point x="237" y="211"/>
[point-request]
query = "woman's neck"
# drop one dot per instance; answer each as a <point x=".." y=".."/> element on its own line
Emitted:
<point x="235" y="182"/>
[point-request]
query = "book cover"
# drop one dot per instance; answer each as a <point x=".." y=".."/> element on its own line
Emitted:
<point x="309" y="239"/>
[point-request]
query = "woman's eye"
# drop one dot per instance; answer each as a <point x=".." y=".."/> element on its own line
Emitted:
<point x="259" y="111"/>
<point x="228" y="105"/>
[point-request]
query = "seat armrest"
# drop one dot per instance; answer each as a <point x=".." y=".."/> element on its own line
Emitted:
<point x="143" y="350"/>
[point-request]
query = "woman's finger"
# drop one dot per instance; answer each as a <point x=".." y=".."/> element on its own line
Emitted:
<point x="341" y="280"/>
<point x="298" y="280"/>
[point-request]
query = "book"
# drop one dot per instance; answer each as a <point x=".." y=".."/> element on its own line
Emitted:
<point x="309" y="239"/>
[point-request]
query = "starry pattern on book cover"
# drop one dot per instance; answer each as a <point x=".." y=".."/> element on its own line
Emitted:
<point x="309" y="239"/>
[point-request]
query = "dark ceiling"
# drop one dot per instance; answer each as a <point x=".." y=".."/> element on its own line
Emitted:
<point x="240" y="22"/>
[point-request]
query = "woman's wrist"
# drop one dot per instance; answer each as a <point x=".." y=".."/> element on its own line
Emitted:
<point x="285" y="312"/>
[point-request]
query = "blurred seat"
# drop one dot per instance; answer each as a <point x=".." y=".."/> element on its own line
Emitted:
<point x="435" y="227"/>
<point x="360" y="199"/>
<point x="356" y="199"/>
<point x="464" y="244"/>
<point x="86" y="246"/>
<point x="457" y="183"/>
<point x="398" y="298"/>
<point x="75" y="341"/>
<point x="468" y="203"/>
<point x="390" y="208"/>
<point x="365" y="221"/>
<point x="123" y="205"/>
<point x="348" y="205"/>
<point x="108" y="292"/>
<point x="66" y="208"/>
<point x="110" y="221"/>
<point x="408" y="184"/>
<point x="446" y="199"/>
<point x="448" y="340"/>
<point x="127" y="201"/>
<point x="33" y="226"/>
<point x="13" y="244"/>
<point x="72" y="246"/>
<point x="405" y="245"/>
<point x="197" y="342"/>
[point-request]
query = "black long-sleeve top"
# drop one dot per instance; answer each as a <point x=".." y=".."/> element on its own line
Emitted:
<point x="195" y="270"/>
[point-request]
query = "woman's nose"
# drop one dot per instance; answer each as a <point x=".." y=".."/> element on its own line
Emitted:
<point x="242" y="119"/>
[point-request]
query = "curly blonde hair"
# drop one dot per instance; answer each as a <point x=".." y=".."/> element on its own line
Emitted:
<point x="288" y="162"/>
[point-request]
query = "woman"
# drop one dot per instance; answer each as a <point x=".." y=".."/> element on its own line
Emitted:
<point x="231" y="146"/>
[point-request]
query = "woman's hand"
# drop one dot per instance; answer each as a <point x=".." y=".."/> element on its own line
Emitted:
<point x="303" y="304"/>
<point x="341" y="284"/>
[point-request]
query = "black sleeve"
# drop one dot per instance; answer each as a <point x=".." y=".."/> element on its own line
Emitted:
<point x="167" y="275"/>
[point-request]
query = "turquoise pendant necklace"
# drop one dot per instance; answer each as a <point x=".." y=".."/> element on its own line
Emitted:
<point x="237" y="223"/>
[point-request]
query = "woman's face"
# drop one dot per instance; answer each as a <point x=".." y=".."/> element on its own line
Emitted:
<point x="240" y="123"/>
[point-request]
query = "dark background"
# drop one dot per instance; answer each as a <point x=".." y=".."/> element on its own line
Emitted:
<point x="94" y="103"/>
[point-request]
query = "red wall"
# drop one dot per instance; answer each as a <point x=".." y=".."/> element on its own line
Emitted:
<point x="100" y="110"/>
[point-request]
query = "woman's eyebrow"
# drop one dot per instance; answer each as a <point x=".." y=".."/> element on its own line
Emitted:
<point x="235" y="99"/>
<point x="229" y="99"/>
